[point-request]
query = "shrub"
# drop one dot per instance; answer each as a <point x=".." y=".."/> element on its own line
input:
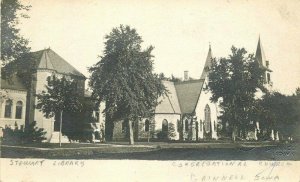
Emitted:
<point x="19" y="135"/>
<point x="34" y="134"/>
<point x="162" y="135"/>
<point x="171" y="131"/>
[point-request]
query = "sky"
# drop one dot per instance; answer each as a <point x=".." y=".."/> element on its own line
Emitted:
<point x="179" y="30"/>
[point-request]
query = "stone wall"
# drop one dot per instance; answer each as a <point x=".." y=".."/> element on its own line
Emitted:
<point x="42" y="121"/>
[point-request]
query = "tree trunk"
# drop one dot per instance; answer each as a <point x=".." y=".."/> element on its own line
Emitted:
<point x="233" y="134"/>
<point x="148" y="138"/>
<point x="60" y="127"/>
<point x="131" y="138"/>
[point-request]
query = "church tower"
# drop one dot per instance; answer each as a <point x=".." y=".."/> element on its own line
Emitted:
<point x="265" y="64"/>
<point x="208" y="64"/>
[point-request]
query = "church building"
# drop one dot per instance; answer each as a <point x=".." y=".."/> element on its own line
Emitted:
<point x="186" y="109"/>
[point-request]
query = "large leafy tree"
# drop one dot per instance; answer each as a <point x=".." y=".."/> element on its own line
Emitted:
<point x="61" y="96"/>
<point x="280" y="113"/>
<point x="124" y="79"/>
<point x="13" y="45"/>
<point x="234" y="82"/>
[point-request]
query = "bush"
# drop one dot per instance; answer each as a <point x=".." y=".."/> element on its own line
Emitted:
<point x="162" y="136"/>
<point x="19" y="135"/>
<point x="171" y="131"/>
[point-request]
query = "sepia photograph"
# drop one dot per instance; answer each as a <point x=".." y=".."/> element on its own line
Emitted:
<point x="151" y="90"/>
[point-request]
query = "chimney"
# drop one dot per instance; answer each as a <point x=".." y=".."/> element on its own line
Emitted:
<point x="186" y="76"/>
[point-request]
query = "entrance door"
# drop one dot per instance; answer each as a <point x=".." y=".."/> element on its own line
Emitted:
<point x="165" y="129"/>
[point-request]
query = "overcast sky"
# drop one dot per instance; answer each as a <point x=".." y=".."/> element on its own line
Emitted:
<point x="180" y="31"/>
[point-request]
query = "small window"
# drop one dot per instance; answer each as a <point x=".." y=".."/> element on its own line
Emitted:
<point x="19" y="108"/>
<point x="147" y="125"/>
<point x="8" y="108"/>
<point x="267" y="64"/>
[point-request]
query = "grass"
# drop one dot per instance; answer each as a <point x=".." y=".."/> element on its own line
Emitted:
<point x="144" y="150"/>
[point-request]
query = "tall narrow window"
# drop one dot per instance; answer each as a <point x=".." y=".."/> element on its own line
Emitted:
<point x="8" y="108"/>
<point x="268" y="78"/>
<point x="147" y="125"/>
<point x="201" y="125"/>
<point x="207" y="121"/>
<point x="19" y="108"/>
<point x="124" y="126"/>
<point x="186" y="125"/>
<point x="164" y="126"/>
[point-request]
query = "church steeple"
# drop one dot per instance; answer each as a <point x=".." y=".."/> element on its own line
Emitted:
<point x="264" y="63"/>
<point x="260" y="55"/>
<point x="207" y="64"/>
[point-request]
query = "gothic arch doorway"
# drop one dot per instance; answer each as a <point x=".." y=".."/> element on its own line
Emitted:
<point x="164" y="129"/>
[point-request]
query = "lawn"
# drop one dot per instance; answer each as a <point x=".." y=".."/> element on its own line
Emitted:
<point x="156" y="151"/>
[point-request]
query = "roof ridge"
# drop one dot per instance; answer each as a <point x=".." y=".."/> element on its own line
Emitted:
<point x="199" y="95"/>
<point x="171" y="103"/>
<point x="189" y="81"/>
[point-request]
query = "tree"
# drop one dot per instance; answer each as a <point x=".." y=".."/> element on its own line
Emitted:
<point x="234" y="81"/>
<point x="175" y="79"/>
<point x="124" y="79"/>
<point x="61" y="96"/>
<point x="13" y="45"/>
<point x="280" y="113"/>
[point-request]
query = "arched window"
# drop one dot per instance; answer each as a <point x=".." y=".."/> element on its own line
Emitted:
<point x="207" y="121"/>
<point x="186" y="125"/>
<point x="8" y="109"/>
<point x="164" y="127"/>
<point x="147" y="125"/>
<point x="19" y="108"/>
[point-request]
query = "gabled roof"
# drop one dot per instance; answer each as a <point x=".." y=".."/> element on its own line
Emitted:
<point x="47" y="59"/>
<point x="168" y="103"/>
<point x="14" y="83"/>
<point x="188" y="93"/>
<point x="208" y="63"/>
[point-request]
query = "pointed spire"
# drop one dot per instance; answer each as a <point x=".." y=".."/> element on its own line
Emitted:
<point x="207" y="64"/>
<point x="260" y="55"/>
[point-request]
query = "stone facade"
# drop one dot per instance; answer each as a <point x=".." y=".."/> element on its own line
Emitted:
<point x="45" y="63"/>
<point x="15" y="104"/>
